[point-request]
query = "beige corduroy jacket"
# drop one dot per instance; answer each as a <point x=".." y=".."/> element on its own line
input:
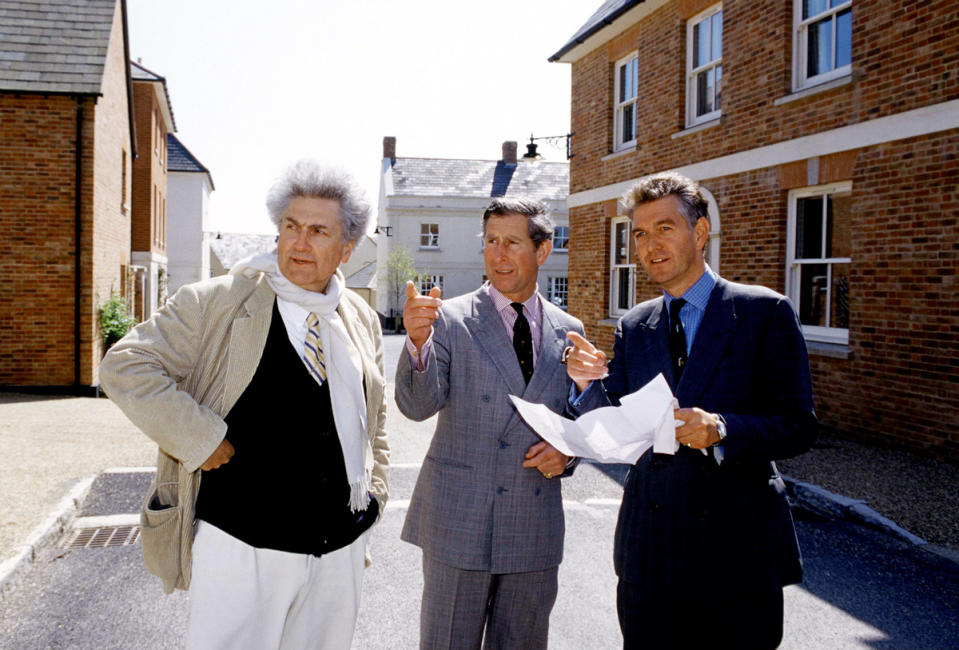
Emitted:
<point x="178" y="374"/>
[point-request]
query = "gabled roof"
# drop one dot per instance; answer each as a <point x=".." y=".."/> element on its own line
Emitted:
<point x="230" y="247"/>
<point x="179" y="159"/>
<point x="139" y="73"/>
<point x="54" y="46"/>
<point x="605" y="15"/>
<point x="363" y="278"/>
<point x="480" y="178"/>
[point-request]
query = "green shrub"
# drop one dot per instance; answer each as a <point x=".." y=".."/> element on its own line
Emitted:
<point x="115" y="319"/>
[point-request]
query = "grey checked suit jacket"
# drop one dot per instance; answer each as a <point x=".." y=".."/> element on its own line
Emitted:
<point x="474" y="505"/>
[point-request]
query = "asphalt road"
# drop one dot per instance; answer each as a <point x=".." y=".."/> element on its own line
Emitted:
<point x="863" y="588"/>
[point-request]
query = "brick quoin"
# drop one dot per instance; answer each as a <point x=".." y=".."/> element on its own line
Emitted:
<point x="895" y="382"/>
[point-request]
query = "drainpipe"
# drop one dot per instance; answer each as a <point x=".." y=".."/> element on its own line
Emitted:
<point x="77" y="232"/>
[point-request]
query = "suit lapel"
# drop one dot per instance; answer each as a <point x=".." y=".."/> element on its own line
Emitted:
<point x="713" y="337"/>
<point x="656" y="345"/>
<point x="247" y="340"/>
<point x="486" y="326"/>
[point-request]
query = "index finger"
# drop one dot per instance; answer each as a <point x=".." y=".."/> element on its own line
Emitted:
<point x="580" y="342"/>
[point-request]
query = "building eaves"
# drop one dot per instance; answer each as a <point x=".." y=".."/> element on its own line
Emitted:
<point x="54" y="46"/>
<point x="141" y="74"/>
<point x="603" y="17"/>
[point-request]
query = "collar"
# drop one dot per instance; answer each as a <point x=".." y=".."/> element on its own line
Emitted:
<point x="698" y="294"/>
<point x="531" y="305"/>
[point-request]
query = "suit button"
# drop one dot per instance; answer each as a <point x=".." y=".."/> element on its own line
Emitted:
<point x="500" y="490"/>
<point x="485" y="398"/>
<point x="537" y="491"/>
<point x="503" y="444"/>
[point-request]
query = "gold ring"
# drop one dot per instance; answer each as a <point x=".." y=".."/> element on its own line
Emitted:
<point x="548" y="475"/>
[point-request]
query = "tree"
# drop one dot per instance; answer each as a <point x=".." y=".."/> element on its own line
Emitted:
<point x="399" y="269"/>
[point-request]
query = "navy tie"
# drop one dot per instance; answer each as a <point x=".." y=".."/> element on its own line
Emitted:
<point x="677" y="338"/>
<point x="523" y="341"/>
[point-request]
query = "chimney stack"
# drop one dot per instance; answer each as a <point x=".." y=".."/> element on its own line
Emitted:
<point x="509" y="152"/>
<point x="389" y="147"/>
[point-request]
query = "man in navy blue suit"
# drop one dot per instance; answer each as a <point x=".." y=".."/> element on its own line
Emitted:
<point x="705" y="541"/>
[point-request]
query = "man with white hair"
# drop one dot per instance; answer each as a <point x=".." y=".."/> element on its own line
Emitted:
<point x="267" y="383"/>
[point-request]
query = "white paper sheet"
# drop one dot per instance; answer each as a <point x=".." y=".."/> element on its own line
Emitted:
<point x="612" y="434"/>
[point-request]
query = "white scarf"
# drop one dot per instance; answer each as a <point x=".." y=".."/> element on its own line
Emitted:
<point x="344" y="369"/>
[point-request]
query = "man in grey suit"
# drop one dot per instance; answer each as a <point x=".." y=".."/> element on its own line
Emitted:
<point x="487" y="510"/>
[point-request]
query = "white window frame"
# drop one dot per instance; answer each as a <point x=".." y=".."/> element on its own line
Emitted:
<point x="430" y="237"/>
<point x="614" y="268"/>
<point x="556" y="239"/>
<point x="619" y="107"/>
<point x="826" y="334"/>
<point x="558" y="287"/>
<point x="692" y="73"/>
<point x="801" y="46"/>
<point x="428" y="281"/>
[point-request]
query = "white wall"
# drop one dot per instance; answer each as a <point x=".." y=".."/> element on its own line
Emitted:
<point x="188" y="218"/>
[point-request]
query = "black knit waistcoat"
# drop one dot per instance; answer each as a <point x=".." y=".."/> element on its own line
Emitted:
<point x="285" y="487"/>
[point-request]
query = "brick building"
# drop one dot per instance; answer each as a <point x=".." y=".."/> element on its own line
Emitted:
<point x="66" y="146"/>
<point x="154" y="120"/>
<point x="826" y="133"/>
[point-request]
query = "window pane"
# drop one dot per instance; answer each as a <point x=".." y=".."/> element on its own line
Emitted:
<point x="719" y="86"/>
<point x="621" y="250"/>
<point x="839" y="296"/>
<point x="812" y="8"/>
<point x="819" y="54"/>
<point x="622" y="288"/>
<point x="704" y="92"/>
<point x="628" y="123"/>
<point x="838" y="224"/>
<point x="843" y="38"/>
<point x="633" y="78"/>
<point x="812" y="294"/>
<point x="623" y="75"/>
<point x="809" y="228"/>
<point x="716" y="49"/>
<point x="701" y="43"/>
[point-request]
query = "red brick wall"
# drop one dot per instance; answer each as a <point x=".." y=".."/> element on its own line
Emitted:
<point x="904" y="57"/>
<point x="897" y="385"/>
<point x="149" y="176"/>
<point x="37" y="217"/>
<point x="36" y="239"/>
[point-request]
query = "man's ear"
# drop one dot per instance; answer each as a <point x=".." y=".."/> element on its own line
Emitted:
<point x="543" y="251"/>
<point x="701" y="232"/>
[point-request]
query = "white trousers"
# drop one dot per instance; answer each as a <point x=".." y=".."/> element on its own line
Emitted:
<point x="246" y="597"/>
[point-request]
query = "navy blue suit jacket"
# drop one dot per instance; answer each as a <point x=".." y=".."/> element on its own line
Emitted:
<point x="687" y="523"/>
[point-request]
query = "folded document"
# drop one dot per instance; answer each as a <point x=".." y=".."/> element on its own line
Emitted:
<point x="612" y="434"/>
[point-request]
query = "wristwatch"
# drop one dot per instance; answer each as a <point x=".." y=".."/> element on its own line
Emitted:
<point x="721" y="429"/>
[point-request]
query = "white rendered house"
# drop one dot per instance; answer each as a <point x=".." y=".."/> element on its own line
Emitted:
<point x="189" y="186"/>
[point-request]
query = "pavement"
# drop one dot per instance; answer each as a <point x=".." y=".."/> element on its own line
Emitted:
<point x="52" y="449"/>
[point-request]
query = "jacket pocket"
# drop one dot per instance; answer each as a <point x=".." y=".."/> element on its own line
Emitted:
<point x="160" y="525"/>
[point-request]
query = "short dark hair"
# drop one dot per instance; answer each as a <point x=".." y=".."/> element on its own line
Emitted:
<point x="693" y="204"/>
<point x="538" y="221"/>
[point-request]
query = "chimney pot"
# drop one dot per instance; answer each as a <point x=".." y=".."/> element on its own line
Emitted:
<point x="389" y="147"/>
<point x="509" y="152"/>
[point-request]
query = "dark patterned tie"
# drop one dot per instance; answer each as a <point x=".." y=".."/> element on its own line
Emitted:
<point x="677" y="338"/>
<point x="523" y="341"/>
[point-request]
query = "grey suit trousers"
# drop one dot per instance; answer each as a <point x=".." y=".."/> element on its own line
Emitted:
<point x="513" y="607"/>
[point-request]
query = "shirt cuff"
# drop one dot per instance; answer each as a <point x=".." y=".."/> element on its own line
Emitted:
<point x="576" y="397"/>
<point x="418" y="360"/>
